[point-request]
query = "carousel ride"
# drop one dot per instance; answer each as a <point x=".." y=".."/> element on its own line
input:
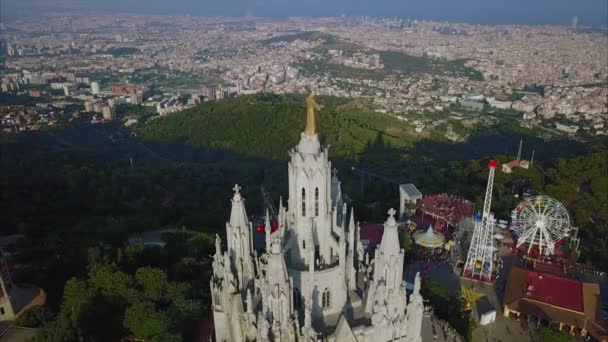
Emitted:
<point x="429" y="238"/>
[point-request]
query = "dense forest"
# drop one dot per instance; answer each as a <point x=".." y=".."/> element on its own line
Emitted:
<point x="76" y="194"/>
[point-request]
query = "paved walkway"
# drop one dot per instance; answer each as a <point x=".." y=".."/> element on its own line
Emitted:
<point x="505" y="330"/>
<point x="431" y="329"/>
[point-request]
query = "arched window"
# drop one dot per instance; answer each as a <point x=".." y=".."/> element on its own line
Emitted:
<point x="303" y="202"/>
<point x="326" y="299"/>
<point x="297" y="298"/>
<point x="316" y="201"/>
<point x="303" y="244"/>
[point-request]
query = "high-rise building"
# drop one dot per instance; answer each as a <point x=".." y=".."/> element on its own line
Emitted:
<point x="94" y="88"/>
<point x="574" y="21"/>
<point x="10" y="51"/>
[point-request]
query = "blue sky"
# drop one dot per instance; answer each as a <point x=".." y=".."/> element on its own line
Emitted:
<point x="589" y="12"/>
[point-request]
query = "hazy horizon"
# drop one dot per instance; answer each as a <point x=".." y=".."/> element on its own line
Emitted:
<point x="543" y="12"/>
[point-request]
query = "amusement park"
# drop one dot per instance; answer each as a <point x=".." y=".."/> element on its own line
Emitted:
<point x="514" y="274"/>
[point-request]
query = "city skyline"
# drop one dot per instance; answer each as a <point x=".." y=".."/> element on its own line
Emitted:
<point x="540" y="12"/>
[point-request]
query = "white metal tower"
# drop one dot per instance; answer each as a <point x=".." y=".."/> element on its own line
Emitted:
<point x="479" y="264"/>
<point x="521" y="141"/>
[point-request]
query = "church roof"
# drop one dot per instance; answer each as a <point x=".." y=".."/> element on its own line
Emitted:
<point x="410" y="190"/>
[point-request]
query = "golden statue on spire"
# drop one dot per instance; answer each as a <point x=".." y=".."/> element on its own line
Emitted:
<point x="311" y="105"/>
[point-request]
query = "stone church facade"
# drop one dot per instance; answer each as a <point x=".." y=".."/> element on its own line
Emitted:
<point x="314" y="281"/>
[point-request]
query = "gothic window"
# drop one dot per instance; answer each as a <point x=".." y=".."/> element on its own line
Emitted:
<point x="303" y="244"/>
<point x="297" y="298"/>
<point x="303" y="202"/>
<point x="326" y="299"/>
<point x="316" y="201"/>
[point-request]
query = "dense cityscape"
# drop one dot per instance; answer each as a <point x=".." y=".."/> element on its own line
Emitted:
<point x="446" y="181"/>
<point x="553" y="78"/>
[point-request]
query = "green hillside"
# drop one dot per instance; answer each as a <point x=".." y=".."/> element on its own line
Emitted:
<point x="269" y="125"/>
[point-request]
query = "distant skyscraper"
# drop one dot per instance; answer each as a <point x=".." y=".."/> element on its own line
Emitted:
<point x="10" y="51"/>
<point x="574" y="21"/>
<point x="94" y="88"/>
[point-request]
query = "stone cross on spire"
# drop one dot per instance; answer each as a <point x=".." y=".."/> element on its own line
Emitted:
<point x="237" y="193"/>
<point x="391" y="222"/>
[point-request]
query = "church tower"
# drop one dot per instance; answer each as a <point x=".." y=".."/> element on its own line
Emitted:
<point x="238" y="235"/>
<point x="388" y="261"/>
<point x="310" y="195"/>
<point x="311" y="283"/>
<point x="277" y="295"/>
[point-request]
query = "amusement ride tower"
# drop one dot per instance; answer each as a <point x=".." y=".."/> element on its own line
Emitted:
<point x="479" y="264"/>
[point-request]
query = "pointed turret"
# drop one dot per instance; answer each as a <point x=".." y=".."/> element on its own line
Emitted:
<point x="351" y="253"/>
<point x="281" y="214"/>
<point x="238" y="230"/>
<point x="249" y="302"/>
<point x="276" y="291"/>
<point x="238" y="215"/>
<point x="267" y="231"/>
<point x="239" y="240"/>
<point x="521" y="141"/>
<point x="415" y="310"/>
<point x="389" y="244"/>
<point x="218" y="245"/>
<point x="388" y="261"/>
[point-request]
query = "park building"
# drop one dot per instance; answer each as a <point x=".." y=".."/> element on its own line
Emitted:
<point x="569" y="305"/>
<point x="314" y="281"/>
<point x="409" y="195"/>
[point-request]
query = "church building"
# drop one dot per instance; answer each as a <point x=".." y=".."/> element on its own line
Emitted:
<point x="314" y="282"/>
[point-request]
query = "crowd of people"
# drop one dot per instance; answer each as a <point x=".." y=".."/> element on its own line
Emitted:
<point x="430" y="255"/>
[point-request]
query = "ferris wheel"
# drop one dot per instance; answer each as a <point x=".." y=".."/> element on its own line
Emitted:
<point x="540" y="221"/>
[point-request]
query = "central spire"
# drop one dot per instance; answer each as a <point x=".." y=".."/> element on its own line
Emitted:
<point x="311" y="105"/>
